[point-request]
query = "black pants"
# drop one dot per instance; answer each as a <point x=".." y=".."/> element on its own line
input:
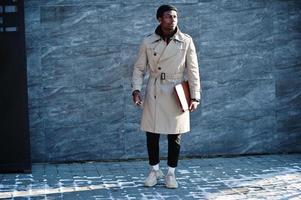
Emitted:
<point x="174" y="141"/>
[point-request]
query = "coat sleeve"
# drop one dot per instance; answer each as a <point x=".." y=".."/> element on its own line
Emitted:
<point x="193" y="72"/>
<point x="139" y="68"/>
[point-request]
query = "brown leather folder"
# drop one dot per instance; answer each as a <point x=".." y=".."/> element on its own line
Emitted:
<point x="182" y="94"/>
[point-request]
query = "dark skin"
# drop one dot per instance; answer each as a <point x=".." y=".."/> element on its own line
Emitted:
<point x="168" y="23"/>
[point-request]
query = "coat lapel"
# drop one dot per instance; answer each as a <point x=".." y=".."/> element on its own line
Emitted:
<point x="174" y="46"/>
<point x="171" y="49"/>
<point x="161" y="51"/>
<point x="157" y="47"/>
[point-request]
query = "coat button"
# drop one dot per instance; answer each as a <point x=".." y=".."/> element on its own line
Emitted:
<point x="159" y="68"/>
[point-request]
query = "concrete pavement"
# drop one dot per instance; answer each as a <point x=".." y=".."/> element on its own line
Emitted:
<point x="248" y="177"/>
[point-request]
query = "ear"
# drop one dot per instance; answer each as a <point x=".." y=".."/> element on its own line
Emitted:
<point x="160" y="19"/>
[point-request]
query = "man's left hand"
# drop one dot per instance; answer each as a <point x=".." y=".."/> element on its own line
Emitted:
<point x="193" y="106"/>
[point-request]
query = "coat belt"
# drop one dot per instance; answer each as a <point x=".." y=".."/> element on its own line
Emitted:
<point x="167" y="76"/>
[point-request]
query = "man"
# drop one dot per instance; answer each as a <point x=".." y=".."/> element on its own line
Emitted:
<point x="165" y="54"/>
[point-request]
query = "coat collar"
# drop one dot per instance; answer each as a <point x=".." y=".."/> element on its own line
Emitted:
<point x="178" y="36"/>
<point x="164" y="51"/>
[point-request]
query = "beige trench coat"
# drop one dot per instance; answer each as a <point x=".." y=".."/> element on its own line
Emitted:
<point x="161" y="113"/>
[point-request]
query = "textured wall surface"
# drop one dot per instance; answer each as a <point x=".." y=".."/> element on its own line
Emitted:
<point x="80" y="58"/>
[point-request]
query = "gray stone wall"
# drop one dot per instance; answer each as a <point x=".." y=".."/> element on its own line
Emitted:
<point x="80" y="56"/>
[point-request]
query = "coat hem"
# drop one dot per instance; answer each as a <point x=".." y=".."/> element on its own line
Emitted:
<point x="164" y="133"/>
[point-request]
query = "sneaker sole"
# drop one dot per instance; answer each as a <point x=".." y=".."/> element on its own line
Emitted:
<point x="171" y="186"/>
<point x="149" y="185"/>
<point x="155" y="183"/>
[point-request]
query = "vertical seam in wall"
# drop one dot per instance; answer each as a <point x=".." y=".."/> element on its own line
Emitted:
<point x="273" y="65"/>
<point x="123" y="132"/>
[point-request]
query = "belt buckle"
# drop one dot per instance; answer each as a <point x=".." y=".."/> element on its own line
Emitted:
<point x="162" y="76"/>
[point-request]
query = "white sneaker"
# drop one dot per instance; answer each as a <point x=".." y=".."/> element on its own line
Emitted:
<point x="170" y="181"/>
<point x="152" y="178"/>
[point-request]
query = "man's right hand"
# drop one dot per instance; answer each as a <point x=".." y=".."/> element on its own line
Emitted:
<point x="137" y="98"/>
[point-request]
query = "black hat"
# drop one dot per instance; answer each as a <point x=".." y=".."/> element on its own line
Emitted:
<point x="164" y="8"/>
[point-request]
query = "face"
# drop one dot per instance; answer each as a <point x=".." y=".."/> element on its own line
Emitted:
<point x="169" y="20"/>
